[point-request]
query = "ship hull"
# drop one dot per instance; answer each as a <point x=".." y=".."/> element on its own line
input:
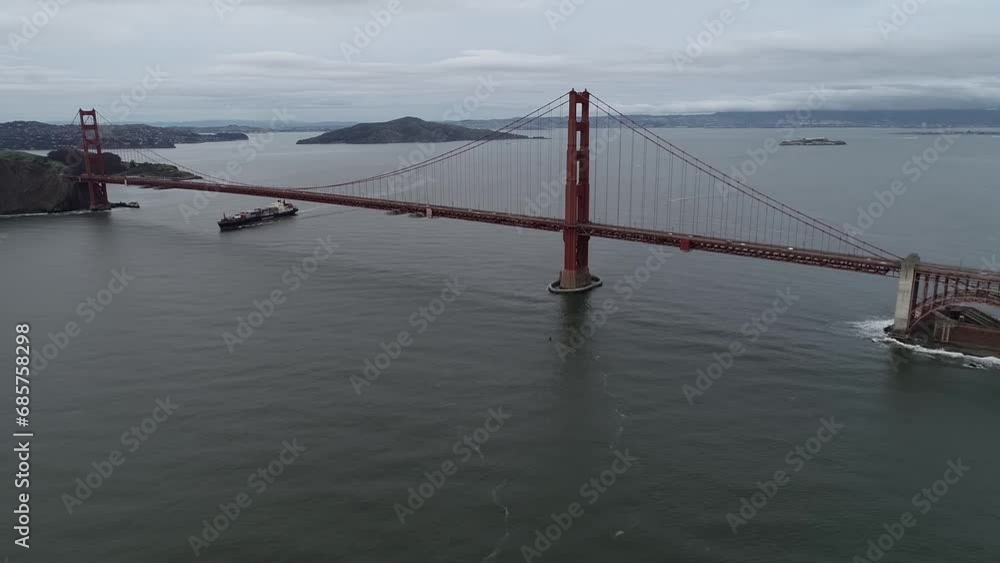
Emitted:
<point x="239" y="223"/>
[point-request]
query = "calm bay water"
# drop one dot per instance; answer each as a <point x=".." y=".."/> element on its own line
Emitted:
<point x="905" y="414"/>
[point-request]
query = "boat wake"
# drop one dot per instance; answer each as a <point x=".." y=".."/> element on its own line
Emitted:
<point x="476" y="449"/>
<point x="492" y="557"/>
<point x="874" y="330"/>
<point x="621" y="418"/>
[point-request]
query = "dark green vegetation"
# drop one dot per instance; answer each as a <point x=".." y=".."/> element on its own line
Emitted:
<point x="153" y="170"/>
<point x="44" y="184"/>
<point x="404" y="130"/>
<point x="114" y="166"/>
<point x="36" y="184"/>
<point x="72" y="158"/>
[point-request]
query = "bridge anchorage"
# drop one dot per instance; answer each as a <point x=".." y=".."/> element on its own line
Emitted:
<point x="618" y="181"/>
<point x="934" y="307"/>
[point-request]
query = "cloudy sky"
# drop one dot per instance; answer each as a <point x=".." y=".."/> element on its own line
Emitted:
<point x="233" y="59"/>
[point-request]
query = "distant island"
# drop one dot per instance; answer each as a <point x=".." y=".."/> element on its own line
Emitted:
<point x="946" y="132"/>
<point x="35" y="135"/>
<point x="812" y="142"/>
<point x="404" y="130"/>
<point x="38" y="136"/>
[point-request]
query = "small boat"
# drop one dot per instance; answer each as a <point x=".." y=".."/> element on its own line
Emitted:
<point x="278" y="210"/>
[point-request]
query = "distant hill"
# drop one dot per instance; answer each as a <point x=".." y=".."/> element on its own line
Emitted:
<point x="254" y="125"/>
<point x="909" y="119"/>
<point x="404" y="130"/>
<point x="35" y="135"/>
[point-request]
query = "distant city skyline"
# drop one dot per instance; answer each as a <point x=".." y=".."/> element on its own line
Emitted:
<point x="374" y="60"/>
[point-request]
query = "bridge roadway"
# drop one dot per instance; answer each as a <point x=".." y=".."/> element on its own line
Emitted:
<point x="682" y="241"/>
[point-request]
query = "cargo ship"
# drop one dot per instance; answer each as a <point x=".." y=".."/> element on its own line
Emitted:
<point x="812" y="142"/>
<point x="278" y="210"/>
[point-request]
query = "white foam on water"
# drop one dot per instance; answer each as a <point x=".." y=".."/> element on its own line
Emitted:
<point x="492" y="557"/>
<point x="475" y="447"/>
<point x="976" y="362"/>
<point x="53" y="214"/>
<point x="874" y="330"/>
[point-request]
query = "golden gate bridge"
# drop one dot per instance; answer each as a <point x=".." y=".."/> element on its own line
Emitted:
<point x="621" y="181"/>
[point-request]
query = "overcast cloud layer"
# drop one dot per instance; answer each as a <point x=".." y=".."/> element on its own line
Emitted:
<point x="226" y="59"/>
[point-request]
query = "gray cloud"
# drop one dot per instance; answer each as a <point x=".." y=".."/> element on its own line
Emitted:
<point x="266" y="54"/>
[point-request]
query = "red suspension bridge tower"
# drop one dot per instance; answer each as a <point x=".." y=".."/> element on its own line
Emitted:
<point x="576" y="276"/>
<point x="93" y="159"/>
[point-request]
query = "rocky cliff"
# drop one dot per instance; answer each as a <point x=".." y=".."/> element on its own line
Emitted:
<point x="34" y="184"/>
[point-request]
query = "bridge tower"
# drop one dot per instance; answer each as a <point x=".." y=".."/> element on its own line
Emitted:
<point x="94" y="161"/>
<point x="576" y="276"/>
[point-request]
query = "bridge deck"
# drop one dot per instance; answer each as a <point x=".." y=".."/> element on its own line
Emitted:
<point x="682" y="241"/>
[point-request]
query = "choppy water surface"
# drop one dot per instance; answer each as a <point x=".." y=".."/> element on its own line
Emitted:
<point x="480" y="406"/>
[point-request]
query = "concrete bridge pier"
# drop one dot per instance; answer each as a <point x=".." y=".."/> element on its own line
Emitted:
<point x="906" y="296"/>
